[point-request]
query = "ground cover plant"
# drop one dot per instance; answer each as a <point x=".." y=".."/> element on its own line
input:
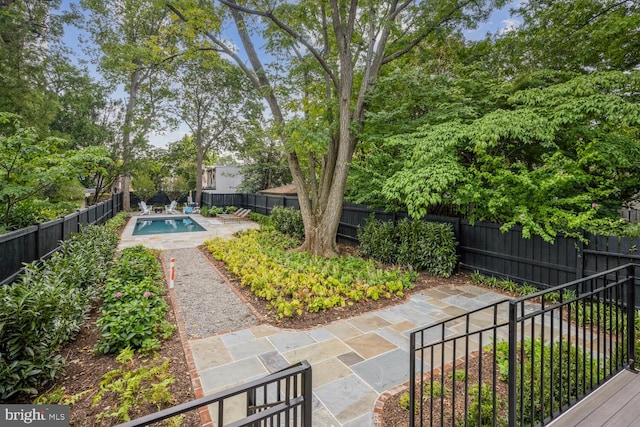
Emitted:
<point x="103" y="390"/>
<point x="546" y="374"/>
<point x="62" y="360"/>
<point x="48" y="304"/>
<point x="295" y="282"/>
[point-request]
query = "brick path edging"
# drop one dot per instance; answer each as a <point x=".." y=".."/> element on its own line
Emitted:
<point x="382" y="399"/>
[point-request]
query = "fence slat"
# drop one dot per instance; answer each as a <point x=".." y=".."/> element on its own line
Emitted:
<point x="40" y="241"/>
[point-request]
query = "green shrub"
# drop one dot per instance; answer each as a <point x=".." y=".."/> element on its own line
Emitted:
<point x="427" y="246"/>
<point x="47" y="305"/>
<point x="211" y="212"/>
<point x="288" y="221"/>
<point x="417" y="244"/>
<point x="263" y="220"/>
<point x="481" y="407"/>
<point x="215" y="211"/>
<point x="378" y="241"/>
<point x="34" y="211"/>
<point x="133" y="310"/>
<point x="568" y="370"/>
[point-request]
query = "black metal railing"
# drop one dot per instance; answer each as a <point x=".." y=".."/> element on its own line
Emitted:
<point x="281" y="398"/>
<point x="524" y="361"/>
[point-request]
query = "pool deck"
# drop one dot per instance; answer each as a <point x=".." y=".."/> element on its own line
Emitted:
<point x="214" y="228"/>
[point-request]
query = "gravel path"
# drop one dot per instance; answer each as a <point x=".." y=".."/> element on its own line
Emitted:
<point x="207" y="304"/>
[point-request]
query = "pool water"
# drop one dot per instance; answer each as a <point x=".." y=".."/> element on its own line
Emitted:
<point x="145" y="226"/>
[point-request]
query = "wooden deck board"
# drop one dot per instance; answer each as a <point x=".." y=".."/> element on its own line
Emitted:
<point x="616" y="403"/>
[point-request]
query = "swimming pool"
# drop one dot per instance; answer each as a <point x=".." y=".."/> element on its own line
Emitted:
<point x="185" y="224"/>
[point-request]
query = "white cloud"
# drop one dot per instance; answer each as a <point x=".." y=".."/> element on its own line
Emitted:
<point x="508" y="25"/>
<point x="162" y="139"/>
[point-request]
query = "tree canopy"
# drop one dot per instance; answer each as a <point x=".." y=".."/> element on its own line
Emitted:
<point x="329" y="57"/>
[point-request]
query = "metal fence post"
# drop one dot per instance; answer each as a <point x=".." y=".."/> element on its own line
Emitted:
<point x="631" y="316"/>
<point x="412" y="379"/>
<point x="513" y="349"/>
<point x="308" y="398"/>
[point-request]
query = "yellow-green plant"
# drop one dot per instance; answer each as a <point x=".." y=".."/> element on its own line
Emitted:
<point x="295" y="281"/>
<point x="148" y="383"/>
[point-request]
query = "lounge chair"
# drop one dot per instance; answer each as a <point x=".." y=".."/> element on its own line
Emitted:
<point x="144" y="209"/>
<point x="236" y="216"/>
<point x="171" y="209"/>
<point x="243" y="214"/>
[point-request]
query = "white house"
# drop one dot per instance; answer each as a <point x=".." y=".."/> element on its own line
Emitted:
<point x="221" y="179"/>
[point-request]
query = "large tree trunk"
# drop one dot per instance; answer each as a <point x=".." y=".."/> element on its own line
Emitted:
<point x="199" y="166"/>
<point x="127" y="149"/>
<point x="125" y="181"/>
<point x="321" y="216"/>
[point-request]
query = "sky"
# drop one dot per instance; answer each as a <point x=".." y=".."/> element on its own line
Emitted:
<point x="500" y="20"/>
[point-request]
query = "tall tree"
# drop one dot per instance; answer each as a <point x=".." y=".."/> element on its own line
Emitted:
<point x="213" y="98"/>
<point x="560" y="158"/>
<point x="83" y="104"/>
<point x="133" y="46"/>
<point x="572" y="35"/>
<point x="264" y="160"/>
<point x="444" y="79"/>
<point x="31" y="165"/>
<point x="27" y="30"/>
<point x="342" y="46"/>
<point x="179" y="160"/>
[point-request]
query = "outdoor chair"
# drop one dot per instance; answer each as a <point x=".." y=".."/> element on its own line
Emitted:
<point x="236" y="216"/>
<point x="242" y="213"/>
<point x="171" y="209"/>
<point x="144" y="209"/>
<point x="191" y="209"/>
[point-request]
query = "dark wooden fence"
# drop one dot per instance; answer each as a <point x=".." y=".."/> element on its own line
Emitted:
<point x="482" y="246"/>
<point x="41" y="240"/>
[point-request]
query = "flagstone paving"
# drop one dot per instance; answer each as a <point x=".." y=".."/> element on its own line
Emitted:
<point x="353" y="360"/>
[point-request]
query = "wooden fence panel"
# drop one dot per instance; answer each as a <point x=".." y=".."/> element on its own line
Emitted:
<point x="40" y="241"/>
<point x="484" y="248"/>
<point x="18" y="247"/>
<point x="50" y="234"/>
